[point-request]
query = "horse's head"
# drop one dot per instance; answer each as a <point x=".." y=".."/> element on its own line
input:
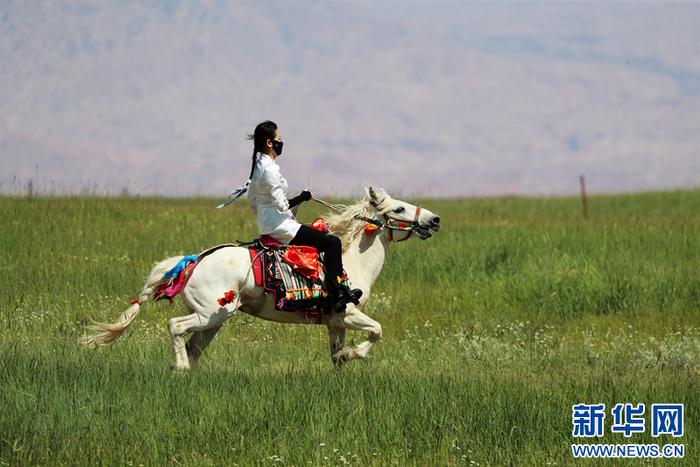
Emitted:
<point x="401" y="219"/>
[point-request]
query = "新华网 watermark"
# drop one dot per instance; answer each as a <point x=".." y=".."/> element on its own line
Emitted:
<point x="588" y="421"/>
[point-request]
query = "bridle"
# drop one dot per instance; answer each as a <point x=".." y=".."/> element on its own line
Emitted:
<point x="390" y="223"/>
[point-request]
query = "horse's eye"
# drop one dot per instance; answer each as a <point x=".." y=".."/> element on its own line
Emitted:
<point x="399" y="210"/>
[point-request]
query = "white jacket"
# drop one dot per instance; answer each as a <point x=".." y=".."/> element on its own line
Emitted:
<point x="267" y="196"/>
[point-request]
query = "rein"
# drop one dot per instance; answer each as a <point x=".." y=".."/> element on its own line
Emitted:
<point x="340" y="208"/>
<point x="390" y="223"/>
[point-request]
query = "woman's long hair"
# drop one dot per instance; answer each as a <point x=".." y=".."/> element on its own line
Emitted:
<point x="263" y="132"/>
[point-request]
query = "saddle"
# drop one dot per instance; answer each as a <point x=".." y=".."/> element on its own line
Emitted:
<point x="293" y="273"/>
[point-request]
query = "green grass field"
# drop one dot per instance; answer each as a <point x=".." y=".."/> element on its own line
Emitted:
<point x="493" y="328"/>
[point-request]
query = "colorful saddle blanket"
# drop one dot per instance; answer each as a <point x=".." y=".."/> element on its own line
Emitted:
<point x="294" y="274"/>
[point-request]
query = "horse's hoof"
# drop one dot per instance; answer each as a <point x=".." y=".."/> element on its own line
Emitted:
<point x="341" y="356"/>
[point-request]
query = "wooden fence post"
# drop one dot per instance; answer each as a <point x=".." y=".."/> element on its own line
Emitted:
<point x="584" y="198"/>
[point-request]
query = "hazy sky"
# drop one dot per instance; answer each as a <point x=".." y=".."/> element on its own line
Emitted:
<point x="429" y="98"/>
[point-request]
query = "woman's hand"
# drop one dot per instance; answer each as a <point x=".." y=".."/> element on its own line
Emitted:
<point x="303" y="196"/>
<point x="306" y="195"/>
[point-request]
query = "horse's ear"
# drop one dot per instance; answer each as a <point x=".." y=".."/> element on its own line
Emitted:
<point x="376" y="195"/>
<point x="372" y="195"/>
<point x="369" y="191"/>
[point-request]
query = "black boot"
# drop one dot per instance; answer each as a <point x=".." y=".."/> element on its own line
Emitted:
<point x="343" y="296"/>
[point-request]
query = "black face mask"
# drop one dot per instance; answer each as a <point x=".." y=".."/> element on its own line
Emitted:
<point x="277" y="146"/>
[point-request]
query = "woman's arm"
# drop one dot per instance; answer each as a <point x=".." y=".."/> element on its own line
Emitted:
<point x="303" y="196"/>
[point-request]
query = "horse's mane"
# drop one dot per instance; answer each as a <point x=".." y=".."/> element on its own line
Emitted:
<point x="344" y="224"/>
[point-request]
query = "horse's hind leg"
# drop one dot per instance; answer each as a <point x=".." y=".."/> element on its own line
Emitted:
<point x="198" y="342"/>
<point x="178" y="327"/>
<point x="204" y="319"/>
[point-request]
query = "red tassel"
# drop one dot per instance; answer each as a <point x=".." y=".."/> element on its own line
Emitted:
<point x="135" y="302"/>
<point x="370" y="229"/>
<point x="319" y="224"/>
<point x="228" y="297"/>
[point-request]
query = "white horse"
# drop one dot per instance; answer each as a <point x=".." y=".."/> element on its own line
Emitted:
<point x="229" y="268"/>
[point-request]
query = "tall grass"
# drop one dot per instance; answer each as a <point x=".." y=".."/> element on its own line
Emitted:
<point x="516" y="310"/>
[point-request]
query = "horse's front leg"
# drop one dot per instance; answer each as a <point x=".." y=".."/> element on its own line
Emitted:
<point x="356" y="320"/>
<point x="336" y="341"/>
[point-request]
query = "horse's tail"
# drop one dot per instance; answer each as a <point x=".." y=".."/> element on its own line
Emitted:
<point x="106" y="333"/>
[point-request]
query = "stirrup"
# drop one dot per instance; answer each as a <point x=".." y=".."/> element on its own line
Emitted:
<point x="355" y="294"/>
<point x="345" y="296"/>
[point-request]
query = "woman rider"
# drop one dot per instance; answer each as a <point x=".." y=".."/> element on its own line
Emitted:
<point x="267" y="191"/>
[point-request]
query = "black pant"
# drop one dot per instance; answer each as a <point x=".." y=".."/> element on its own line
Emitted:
<point x="326" y="243"/>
